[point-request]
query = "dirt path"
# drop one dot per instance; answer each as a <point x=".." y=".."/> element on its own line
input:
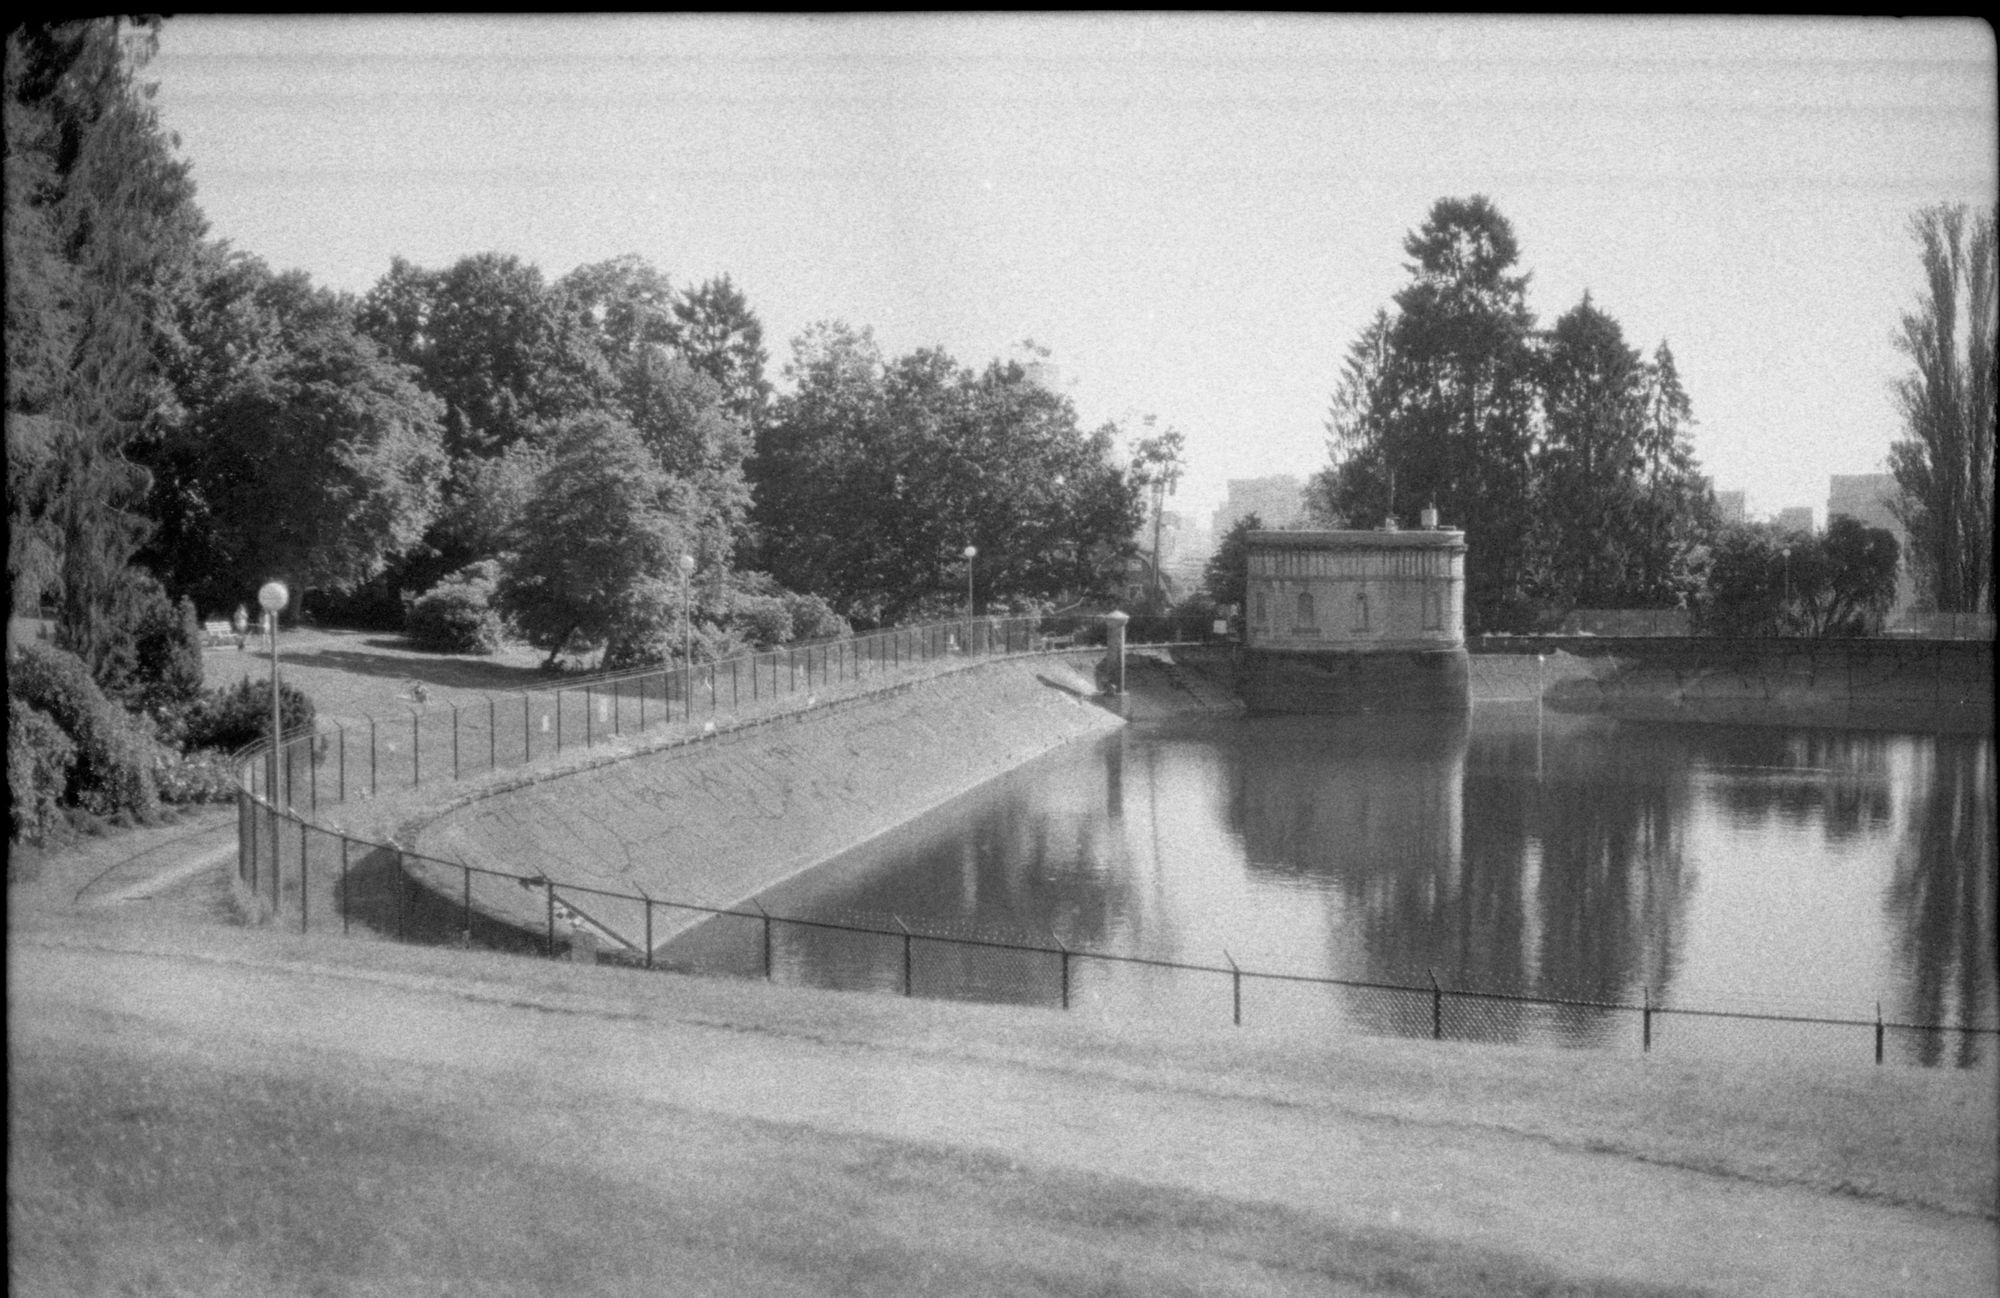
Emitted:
<point x="929" y="1075"/>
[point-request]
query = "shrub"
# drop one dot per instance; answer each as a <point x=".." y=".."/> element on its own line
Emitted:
<point x="663" y="647"/>
<point x="765" y="621"/>
<point x="457" y="616"/>
<point x="166" y="643"/>
<point x="814" y="619"/>
<point x="39" y="758"/>
<point x="206" y="775"/>
<point x="113" y="770"/>
<point x="240" y="715"/>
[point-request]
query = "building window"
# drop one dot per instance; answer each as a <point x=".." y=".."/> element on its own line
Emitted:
<point x="1361" y="610"/>
<point x="1262" y="605"/>
<point x="1303" y="624"/>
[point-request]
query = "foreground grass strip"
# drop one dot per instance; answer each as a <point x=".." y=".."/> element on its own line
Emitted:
<point x="136" y="1169"/>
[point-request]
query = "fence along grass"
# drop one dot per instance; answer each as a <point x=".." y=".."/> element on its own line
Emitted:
<point x="293" y="866"/>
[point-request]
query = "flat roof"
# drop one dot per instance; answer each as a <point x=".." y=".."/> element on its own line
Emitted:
<point x="1413" y="538"/>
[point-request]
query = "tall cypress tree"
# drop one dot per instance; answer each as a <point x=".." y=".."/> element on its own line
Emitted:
<point x="1945" y="463"/>
<point x="99" y="217"/>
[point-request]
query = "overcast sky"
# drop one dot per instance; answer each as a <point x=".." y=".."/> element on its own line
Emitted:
<point x="1195" y="214"/>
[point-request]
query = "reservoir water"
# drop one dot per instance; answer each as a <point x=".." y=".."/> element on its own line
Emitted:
<point x="1822" y="874"/>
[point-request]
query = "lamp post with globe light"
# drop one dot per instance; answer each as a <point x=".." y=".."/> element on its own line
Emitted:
<point x="272" y="598"/>
<point x="687" y="630"/>
<point x="971" y="553"/>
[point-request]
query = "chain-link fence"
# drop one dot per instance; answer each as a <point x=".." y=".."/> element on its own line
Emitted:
<point x="322" y="879"/>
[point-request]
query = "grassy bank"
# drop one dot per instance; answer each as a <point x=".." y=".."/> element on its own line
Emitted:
<point x="189" y="1132"/>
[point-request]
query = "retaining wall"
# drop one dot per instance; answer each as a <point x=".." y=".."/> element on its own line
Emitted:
<point x="1387" y="680"/>
<point x="1928" y="684"/>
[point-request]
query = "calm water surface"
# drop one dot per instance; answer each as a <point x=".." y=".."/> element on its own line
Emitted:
<point x="1751" y="869"/>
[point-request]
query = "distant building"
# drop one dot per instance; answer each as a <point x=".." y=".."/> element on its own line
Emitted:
<point x="1798" y="518"/>
<point x="1864" y="497"/>
<point x="1729" y="507"/>
<point x="1355" y="621"/>
<point x="1278" y="502"/>
<point x="1867" y="498"/>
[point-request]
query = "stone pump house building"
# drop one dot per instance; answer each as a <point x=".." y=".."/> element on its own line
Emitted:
<point x="1356" y="621"/>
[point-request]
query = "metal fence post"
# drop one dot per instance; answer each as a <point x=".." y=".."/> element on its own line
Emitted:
<point x="1878" y="1034"/>
<point x="401" y="907"/>
<point x="1235" y="990"/>
<point x="642" y="705"/>
<point x="1646" y="1020"/>
<point x="1437" y="1008"/>
<point x="735" y="691"/>
<point x="416" y="749"/>
<point x="649" y="927"/>
<point x="550" y="949"/>
<point x="454" y="744"/>
<point x="304" y="877"/>
<point x="589" y="706"/>
<point x="527" y="728"/>
<point x="492" y="734"/>
<point x="277" y="862"/>
<point x="559" y="695"/>
<point x="466" y="926"/>
<point x="345" y="909"/>
<point x="312" y="771"/>
<point x="1064" y="948"/>
<point x="908" y="982"/>
<point x="371" y="757"/>
<point x="343" y="761"/>
<point x="767" y="939"/>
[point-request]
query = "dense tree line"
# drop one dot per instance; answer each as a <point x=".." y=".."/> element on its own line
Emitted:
<point x="1562" y="453"/>
<point x="873" y="474"/>
<point x="472" y="450"/>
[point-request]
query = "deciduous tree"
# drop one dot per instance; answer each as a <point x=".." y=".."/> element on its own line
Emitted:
<point x="872" y="476"/>
<point x="595" y="555"/>
<point x="305" y="452"/>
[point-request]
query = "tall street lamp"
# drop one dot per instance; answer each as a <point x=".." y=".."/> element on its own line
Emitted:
<point x="272" y="598"/>
<point x="687" y="621"/>
<point x="971" y="553"/>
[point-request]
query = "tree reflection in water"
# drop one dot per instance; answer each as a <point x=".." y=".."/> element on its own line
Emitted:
<point x="1940" y="898"/>
<point x="1516" y="850"/>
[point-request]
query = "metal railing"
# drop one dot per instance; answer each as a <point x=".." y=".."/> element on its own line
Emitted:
<point x="327" y="878"/>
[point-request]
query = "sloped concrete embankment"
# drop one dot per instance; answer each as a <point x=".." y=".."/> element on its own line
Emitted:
<point x="717" y="823"/>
